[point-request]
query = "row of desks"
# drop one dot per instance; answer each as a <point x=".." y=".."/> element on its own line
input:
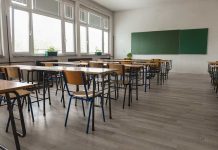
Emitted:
<point x="9" y="86"/>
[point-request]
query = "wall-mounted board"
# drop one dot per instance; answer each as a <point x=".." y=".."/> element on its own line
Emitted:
<point x="157" y="42"/>
<point x="193" y="41"/>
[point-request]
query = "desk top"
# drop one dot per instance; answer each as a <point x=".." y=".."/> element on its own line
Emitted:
<point x="64" y="68"/>
<point x="213" y="63"/>
<point x="146" y="64"/>
<point x="10" y="86"/>
<point x="133" y="65"/>
<point x="76" y="63"/>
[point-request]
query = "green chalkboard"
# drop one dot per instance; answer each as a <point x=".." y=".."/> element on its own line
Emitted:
<point x="193" y="41"/>
<point x="157" y="42"/>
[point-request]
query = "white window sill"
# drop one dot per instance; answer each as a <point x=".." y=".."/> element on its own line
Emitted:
<point x="42" y="55"/>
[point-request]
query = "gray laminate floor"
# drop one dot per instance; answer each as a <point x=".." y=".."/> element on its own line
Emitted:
<point x="180" y="115"/>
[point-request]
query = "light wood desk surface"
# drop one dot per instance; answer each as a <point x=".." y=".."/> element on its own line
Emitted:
<point x="64" y="68"/>
<point x="10" y="86"/>
<point x="76" y="63"/>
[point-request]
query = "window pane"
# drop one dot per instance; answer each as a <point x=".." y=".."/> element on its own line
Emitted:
<point x="68" y="11"/>
<point x="20" y="2"/>
<point x="49" y="6"/>
<point x="83" y="16"/>
<point x="21" y="31"/>
<point x="47" y="33"/>
<point x="105" y="23"/>
<point x="69" y="37"/>
<point x="95" y="40"/>
<point x="94" y="20"/>
<point x="83" y="39"/>
<point x="106" y="43"/>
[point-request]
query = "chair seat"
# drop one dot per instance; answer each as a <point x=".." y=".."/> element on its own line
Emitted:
<point x="82" y="94"/>
<point x="22" y="93"/>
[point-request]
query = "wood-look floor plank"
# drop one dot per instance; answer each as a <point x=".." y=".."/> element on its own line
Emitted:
<point x="182" y="114"/>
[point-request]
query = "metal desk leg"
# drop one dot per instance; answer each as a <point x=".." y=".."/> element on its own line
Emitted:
<point x="13" y="125"/>
<point x="109" y="94"/>
<point x="145" y="78"/>
<point x="137" y="84"/>
<point x="130" y="86"/>
<point x="93" y="107"/>
<point x="43" y="81"/>
<point x="62" y="87"/>
<point x="21" y="117"/>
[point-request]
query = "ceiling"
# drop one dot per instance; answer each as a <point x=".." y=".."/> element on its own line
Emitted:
<point x="120" y="5"/>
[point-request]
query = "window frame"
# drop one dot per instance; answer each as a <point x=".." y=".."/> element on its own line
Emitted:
<point x="87" y="25"/>
<point x="1" y="33"/>
<point x="20" y="8"/>
<point x="69" y="20"/>
<point x="32" y="11"/>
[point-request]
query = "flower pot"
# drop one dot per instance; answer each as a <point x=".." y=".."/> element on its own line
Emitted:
<point x="98" y="53"/>
<point x="51" y="53"/>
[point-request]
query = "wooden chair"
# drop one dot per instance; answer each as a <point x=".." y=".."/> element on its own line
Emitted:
<point x="100" y="80"/>
<point x="96" y="64"/>
<point x="78" y="78"/>
<point x="2" y="77"/>
<point x="120" y="79"/>
<point x="14" y="73"/>
<point x="54" y="77"/>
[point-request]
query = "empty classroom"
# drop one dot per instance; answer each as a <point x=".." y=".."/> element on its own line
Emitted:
<point x="108" y="75"/>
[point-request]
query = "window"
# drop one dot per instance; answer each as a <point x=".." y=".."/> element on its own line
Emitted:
<point x="68" y="11"/>
<point x="51" y="25"/>
<point x="105" y="23"/>
<point x="69" y="37"/>
<point x="97" y="27"/>
<point x="83" y="16"/>
<point x="44" y="35"/>
<point x="1" y="53"/>
<point x="95" y="40"/>
<point x="21" y="31"/>
<point x="106" y="41"/>
<point x="83" y="39"/>
<point x="94" y="20"/>
<point x="37" y="25"/>
<point x="48" y="6"/>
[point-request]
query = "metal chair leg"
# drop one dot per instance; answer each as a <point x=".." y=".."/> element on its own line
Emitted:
<point x="125" y="86"/>
<point x="84" y="114"/>
<point x="102" y="107"/>
<point x="90" y="110"/>
<point x="31" y="108"/>
<point x="9" y="119"/>
<point x="68" y="111"/>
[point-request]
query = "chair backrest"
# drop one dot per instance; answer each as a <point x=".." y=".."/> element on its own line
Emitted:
<point x="158" y="61"/>
<point x="49" y="64"/>
<point x="96" y="64"/>
<point x="118" y="67"/>
<point x="2" y="69"/>
<point x="75" y="77"/>
<point x="2" y="76"/>
<point x="13" y="73"/>
<point x="126" y="62"/>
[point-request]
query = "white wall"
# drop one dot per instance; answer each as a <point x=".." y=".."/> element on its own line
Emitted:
<point x="166" y="16"/>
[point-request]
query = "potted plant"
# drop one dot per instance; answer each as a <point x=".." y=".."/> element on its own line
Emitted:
<point x="98" y="52"/>
<point x="129" y="55"/>
<point x="51" y="51"/>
